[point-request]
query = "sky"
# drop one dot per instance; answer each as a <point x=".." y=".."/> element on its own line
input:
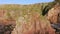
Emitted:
<point x="23" y="1"/>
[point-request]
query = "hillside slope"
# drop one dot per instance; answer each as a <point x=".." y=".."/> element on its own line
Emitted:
<point x="28" y="18"/>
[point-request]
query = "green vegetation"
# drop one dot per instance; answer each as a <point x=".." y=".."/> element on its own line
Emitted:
<point x="15" y="10"/>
